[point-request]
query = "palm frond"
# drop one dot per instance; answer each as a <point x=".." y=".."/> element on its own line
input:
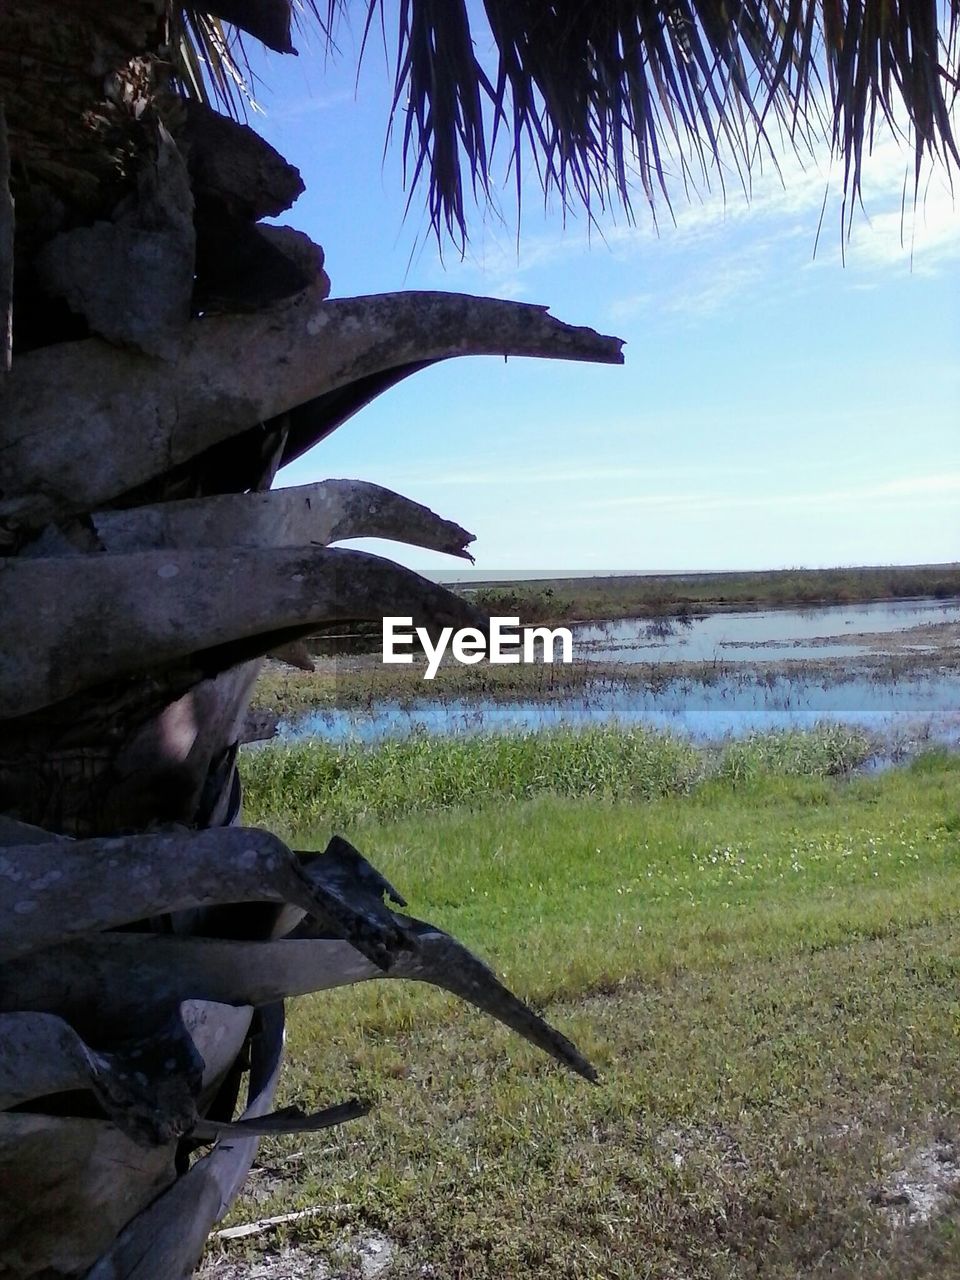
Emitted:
<point x="207" y="43"/>
<point x="608" y="97"/>
<point x="208" y="62"/>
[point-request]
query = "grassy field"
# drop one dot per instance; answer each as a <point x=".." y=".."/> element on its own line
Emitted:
<point x="763" y="966"/>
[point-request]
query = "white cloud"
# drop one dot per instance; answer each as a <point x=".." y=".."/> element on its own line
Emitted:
<point x="308" y="104"/>
<point x="536" y="475"/>
<point x="723" y="245"/>
<point x="924" y="238"/>
<point x="926" y="489"/>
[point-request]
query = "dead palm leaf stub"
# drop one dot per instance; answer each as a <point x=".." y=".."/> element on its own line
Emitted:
<point x="313" y="514"/>
<point x="46" y="898"/>
<point x="226" y="605"/>
<point x="286" y="1120"/>
<point x="131" y="278"/>
<point x="148" y="1087"/>
<point x="131" y="974"/>
<point x="133" y="418"/>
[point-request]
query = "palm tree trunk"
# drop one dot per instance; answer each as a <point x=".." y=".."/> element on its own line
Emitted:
<point x="151" y="384"/>
<point x="148" y="397"/>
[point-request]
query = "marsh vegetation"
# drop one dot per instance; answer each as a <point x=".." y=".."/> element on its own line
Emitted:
<point x="893" y="670"/>
<point x="655" y="595"/>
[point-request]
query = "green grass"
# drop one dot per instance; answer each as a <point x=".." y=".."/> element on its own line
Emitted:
<point x="290" y="785"/>
<point x="766" y="970"/>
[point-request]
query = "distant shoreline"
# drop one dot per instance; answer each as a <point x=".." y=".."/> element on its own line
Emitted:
<point x="592" y="598"/>
<point x="488" y="577"/>
<point x="614" y="597"/>
<point x="361" y="680"/>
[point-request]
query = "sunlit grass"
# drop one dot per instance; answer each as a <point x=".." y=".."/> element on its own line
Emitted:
<point x="765" y="968"/>
<point x="290" y="785"/>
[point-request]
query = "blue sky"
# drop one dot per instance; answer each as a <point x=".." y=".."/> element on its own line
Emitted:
<point x="776" y="408"/>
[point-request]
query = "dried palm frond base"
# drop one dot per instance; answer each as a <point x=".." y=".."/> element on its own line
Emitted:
<point x="143" y="974"/>
<point x="122" y="1045"/>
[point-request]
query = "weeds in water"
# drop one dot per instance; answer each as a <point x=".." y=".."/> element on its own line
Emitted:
<point x="366" y="685"/>
<point x="301" y="782"/>
<point x="830" y="750"/>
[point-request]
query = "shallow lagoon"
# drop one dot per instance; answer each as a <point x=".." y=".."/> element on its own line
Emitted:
<point x="729" y="706"/>
<point x="746" y="695"/>
<point x="763" y="635"/>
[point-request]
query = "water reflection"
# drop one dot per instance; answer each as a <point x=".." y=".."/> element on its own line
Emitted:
<point x="764" y="635"/>
<point x="717" y="705"/>
<point x="706" y="711"/>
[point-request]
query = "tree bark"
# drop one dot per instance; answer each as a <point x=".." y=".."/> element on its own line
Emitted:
<point x="163" y="355"/>
<point x="6" y="250"/>
<point x="228" y="604"/>
<point x="131" y="418"/>
<point x="306" y="515"/>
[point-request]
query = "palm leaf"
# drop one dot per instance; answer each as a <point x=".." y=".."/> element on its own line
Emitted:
<point x="605" y="99"/>
<point x="608" y="99"/>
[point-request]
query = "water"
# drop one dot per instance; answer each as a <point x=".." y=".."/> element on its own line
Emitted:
<point x="718" y="705"/>
<point x="729" y="706"/>
<point x="764" y="635"/>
